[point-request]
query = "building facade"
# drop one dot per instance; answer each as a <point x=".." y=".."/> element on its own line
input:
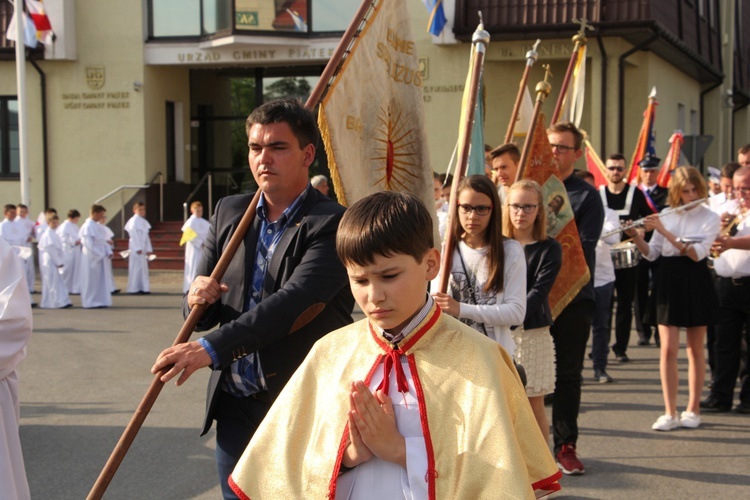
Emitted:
<point x="129" y="90"/>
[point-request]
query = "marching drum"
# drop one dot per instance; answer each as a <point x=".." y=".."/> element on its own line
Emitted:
<point x="625" y="255"/>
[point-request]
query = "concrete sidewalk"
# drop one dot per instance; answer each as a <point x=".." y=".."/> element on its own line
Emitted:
<point x="87" y="370"/>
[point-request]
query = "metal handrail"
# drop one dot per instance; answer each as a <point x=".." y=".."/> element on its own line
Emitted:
<point x="121" y="190"/>
<point x="209" y="176"/>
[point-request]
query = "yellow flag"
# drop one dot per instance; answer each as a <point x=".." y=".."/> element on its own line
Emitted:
<point x="372" y="118"/>
<point x="188" y="235"/>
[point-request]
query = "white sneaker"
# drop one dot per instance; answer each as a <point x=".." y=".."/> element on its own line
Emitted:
<point x="665" y="423"/>
<point x="690" y="420"/>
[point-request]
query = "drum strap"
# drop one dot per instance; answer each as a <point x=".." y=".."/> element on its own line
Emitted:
<point x="628" y="199"/>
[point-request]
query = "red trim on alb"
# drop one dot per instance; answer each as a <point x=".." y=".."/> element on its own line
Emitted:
<point x="431" y="474"/>
<point x="236" y="489"/>
<point x="550" y="484"/>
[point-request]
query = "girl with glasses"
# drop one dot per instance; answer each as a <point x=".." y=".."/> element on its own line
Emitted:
<point x="487" y="285"/>
<point x="525" y="221"/>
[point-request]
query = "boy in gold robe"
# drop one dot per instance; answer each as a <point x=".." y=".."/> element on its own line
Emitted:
<point x="408" y="403"/>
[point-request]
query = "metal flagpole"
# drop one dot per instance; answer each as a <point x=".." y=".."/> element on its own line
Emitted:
<point x="531" y="58"/>
<point x="579" y="41"/>
<point x="136" y="421"/>
<point x="23" y="147"/>
<point x="480" y="39"/>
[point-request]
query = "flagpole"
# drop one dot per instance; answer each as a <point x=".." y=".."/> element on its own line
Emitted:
<point x="531" y="57"/>
<point x="480" y="39"/>
<point x="579" y="41"/>
<point x="543" y="90"/>
<point x="23" y="147"/>
<point x="148" y="400"/>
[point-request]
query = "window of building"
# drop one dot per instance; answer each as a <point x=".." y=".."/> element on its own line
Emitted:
<point x="197" y="18"/>
<point x="9" y="160"/>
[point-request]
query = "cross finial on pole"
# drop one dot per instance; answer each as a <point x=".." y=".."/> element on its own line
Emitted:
<point x="547" y="72"/>
<point x="583" y="23"/>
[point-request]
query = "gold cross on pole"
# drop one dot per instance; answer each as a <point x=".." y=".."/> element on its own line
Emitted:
<point x="547" y="72"/>
<point x="583" y="23"/>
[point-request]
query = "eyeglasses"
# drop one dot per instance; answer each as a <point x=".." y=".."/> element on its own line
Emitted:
<point x="616" y="169"/>
<point x="480" y="210"/>
<point x="562" y="147"/>
<point x="527" y="209"/>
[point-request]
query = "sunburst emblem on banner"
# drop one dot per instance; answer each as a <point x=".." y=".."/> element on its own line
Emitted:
<point x="395" y="151"/>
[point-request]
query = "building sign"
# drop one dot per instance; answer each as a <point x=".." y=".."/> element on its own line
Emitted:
<point x="240" y="53"/>
<point x="95" y="77"/>
<point x="246" y="19"/>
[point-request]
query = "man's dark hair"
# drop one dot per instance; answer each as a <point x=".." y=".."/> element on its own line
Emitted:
<point x="744" y="150"/>
<point x="509" y="148"/>
<point x="729" y="169"/>
<point x="616" y="157"/>
<point x="300" y="120"/>
<point x="560" y="127"/>
<point x="385" y="223"/>
<point x="73" y="213"/>
<point x="584" y="174"/>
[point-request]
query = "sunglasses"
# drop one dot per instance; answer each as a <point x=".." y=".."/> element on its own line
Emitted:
<point x="616" y="169"/>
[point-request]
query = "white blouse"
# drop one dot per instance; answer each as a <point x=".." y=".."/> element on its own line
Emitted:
<point x="496" y="311"/>
<point x="698" y="225"/>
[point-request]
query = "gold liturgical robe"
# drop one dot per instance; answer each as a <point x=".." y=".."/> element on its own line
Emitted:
<point x="482" y="440"/>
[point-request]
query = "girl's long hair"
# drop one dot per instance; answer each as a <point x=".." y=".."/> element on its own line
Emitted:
<point x="680" y="177"/>
<point x="493" y="234"/>
<point x="539" y="232"/>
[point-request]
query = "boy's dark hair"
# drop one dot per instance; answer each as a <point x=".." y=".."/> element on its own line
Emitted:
<point x="566" y="126"/>
<point x="73" y="213"/>
<point x="729" y="169"/>
<point x="508" y="147"/>
<point x="300" y="120"/>
<point x="8" y="208"/>
<point x="384" y="223"/>
<point x="97" y="209"/>
<point x="584" y="174"/>
<point x="744" y="149"/>
<point x="21" y="205"/>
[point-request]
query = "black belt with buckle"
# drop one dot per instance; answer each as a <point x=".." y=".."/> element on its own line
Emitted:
<point x="745" y="280"/>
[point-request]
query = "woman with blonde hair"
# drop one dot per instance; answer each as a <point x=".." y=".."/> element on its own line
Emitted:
<point x="685" y="296"/>
<point x="525" y="221"/>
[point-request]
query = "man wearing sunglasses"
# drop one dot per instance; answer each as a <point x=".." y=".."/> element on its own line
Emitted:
<point x="570" y="331"/>
<point x="630" y="204"/>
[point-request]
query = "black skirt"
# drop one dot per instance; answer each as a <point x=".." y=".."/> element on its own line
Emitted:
<point x="685" y="293"/>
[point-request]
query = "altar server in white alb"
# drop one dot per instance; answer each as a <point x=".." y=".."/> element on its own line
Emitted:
<point x="109" y="236"/>
<point x="96" y="289"/>
<point x="15" y="235"/>
<point x="194" y="233"/>
<point x="28" y="226"/>
<point x="139" y="245"/>
<point x="15" y="330"/>
<point x="71" y="242"/>
<point x="54" y="291"/>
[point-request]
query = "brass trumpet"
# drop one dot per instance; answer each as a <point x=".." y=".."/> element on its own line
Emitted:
<point x="642" y="221"/>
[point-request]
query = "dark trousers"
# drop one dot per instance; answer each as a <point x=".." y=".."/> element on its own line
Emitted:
<point x="570" y="334"/>
<point x="601" y="325"/>
<point x="625" y="285"/>
<point x="645" y="314"/>
<point x="734" y="322"/>
<point x="237" y="419"/>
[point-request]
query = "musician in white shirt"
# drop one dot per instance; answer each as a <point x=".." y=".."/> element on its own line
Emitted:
<point x="733" y="270"/>
<point x="686" y="297"/>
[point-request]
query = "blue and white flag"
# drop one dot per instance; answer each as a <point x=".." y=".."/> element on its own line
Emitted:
<point x="437" y="16"/>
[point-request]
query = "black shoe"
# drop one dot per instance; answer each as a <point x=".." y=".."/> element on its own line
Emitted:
<point x="644" y="342"/>
<point x="602" y="377"/>
<point x="117" y="290"/>
<point x="743" y="408"/>
<point x="712" y="405"/>
<point x="622" y="358"/>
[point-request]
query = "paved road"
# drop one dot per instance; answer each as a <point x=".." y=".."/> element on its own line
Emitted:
<point x="87" y="370"/>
